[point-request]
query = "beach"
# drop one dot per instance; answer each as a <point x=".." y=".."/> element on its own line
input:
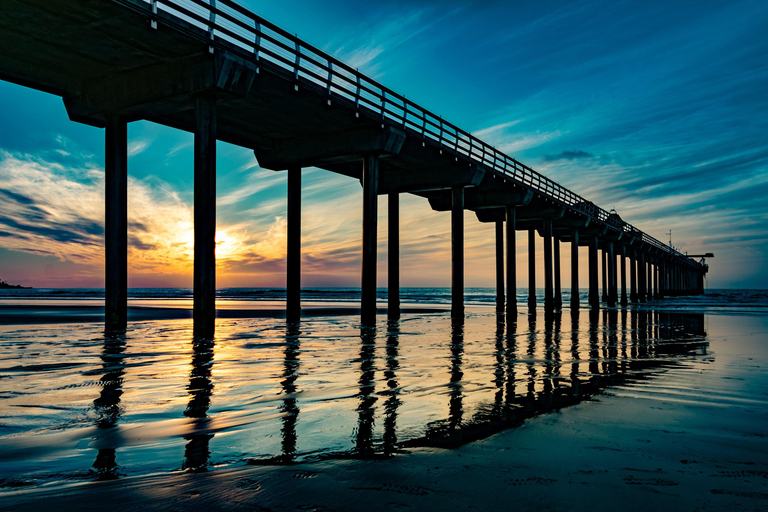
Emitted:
<point x="647" y="408"/>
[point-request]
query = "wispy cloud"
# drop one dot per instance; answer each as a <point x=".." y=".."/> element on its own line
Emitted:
<point x="138" y="146"/>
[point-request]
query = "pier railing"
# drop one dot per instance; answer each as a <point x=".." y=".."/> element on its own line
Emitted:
<point x="227" y="25"/>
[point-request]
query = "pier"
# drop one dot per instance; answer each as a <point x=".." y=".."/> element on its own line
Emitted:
<point x="212" y="68"/>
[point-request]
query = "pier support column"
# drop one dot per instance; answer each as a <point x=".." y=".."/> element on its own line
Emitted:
<point x="531" y="271"/>
<point x="370" y="233"/>
<point x="661" y="278"/>
<point x="116" y="225"/>
<point x="641" y="280"/>
<point x="293" y="277"/>
<point x="558" y="299"/>
<point x="655" y="278"/>
<point x="594" y="292"/>
<point x="623" y="275"/>
<point x="393" y="257"/>
<point x="649" y="279"/>
<point x="549" y="304"/>
<point x="499" y="266"/>
<point x="574" y="269"/>
<point x="511" y="263"/>
<point x="605" y="275"/>
<point x="611" y="275"/>
<point x="457" y="253"/>
<point x="204" y="281"/>
<point x="633" y="276"/>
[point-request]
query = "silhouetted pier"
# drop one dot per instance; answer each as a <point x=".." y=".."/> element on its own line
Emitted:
<point x="213" y="68"/>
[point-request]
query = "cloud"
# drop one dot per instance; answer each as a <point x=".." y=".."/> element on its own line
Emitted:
<point x="137" y="147"/>
<point x="568" y="155"/>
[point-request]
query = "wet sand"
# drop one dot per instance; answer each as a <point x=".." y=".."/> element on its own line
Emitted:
<point x="685" y="436"/>
<point x="28" y="312"/>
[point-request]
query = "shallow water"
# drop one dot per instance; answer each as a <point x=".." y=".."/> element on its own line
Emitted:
<point x="77" y="406"/>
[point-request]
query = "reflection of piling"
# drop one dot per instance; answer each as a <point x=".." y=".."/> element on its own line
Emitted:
<point x="365" y="408"/>
<point x="293" y="247"/>
<point x="499" y="368"/>
<point x="196" y="452"/>
<point x="608" y="341"/>
<point x="594" y="347"/>
<point x="510" y="355"/>
<point x="531" y="353"/>
<point x="107" y="405"/>
<point x="289" y="409"/>
<point x="575" y="353"/>
<point x="393" y="401"/>
<point x="531" y="271"/>
<point x="456" y="402"/>
<point x="116" y="224"/>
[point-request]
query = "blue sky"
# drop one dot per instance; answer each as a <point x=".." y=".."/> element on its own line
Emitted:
<point x="659" y="110"/>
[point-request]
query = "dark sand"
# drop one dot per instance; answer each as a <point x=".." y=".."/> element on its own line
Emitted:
<point x="20" y="312"/>
<point x="692" y="437"/>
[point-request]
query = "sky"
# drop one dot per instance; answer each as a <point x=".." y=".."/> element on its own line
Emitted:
<point x="656" y="109"/>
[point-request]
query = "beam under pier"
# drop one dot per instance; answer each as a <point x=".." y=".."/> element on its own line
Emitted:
<point x="116" y="224"/>
<point x="204" y="281"/>
<point x="370" y="224"/>
<point x="393" y="256"/>
<point x="457" y="253"/>
<point x="293" y="270"/>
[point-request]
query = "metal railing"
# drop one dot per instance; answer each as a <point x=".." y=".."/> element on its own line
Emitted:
<point x="224" y="24"/>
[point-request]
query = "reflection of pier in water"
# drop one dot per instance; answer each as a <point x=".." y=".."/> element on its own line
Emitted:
<point x="197" y="452"/>
<point x="534" y="372"/>
<point x="532" y="369"/>
<point x="653" y="338"/>
<point x="107" y="406"/>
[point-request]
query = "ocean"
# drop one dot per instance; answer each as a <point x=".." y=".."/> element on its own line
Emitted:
<point x="78" y="406"/>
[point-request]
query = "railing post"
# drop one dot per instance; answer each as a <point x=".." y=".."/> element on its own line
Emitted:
<point x="256" y="39"/>
<point x="153" y="21"/>
<point x="212" y="24"/>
